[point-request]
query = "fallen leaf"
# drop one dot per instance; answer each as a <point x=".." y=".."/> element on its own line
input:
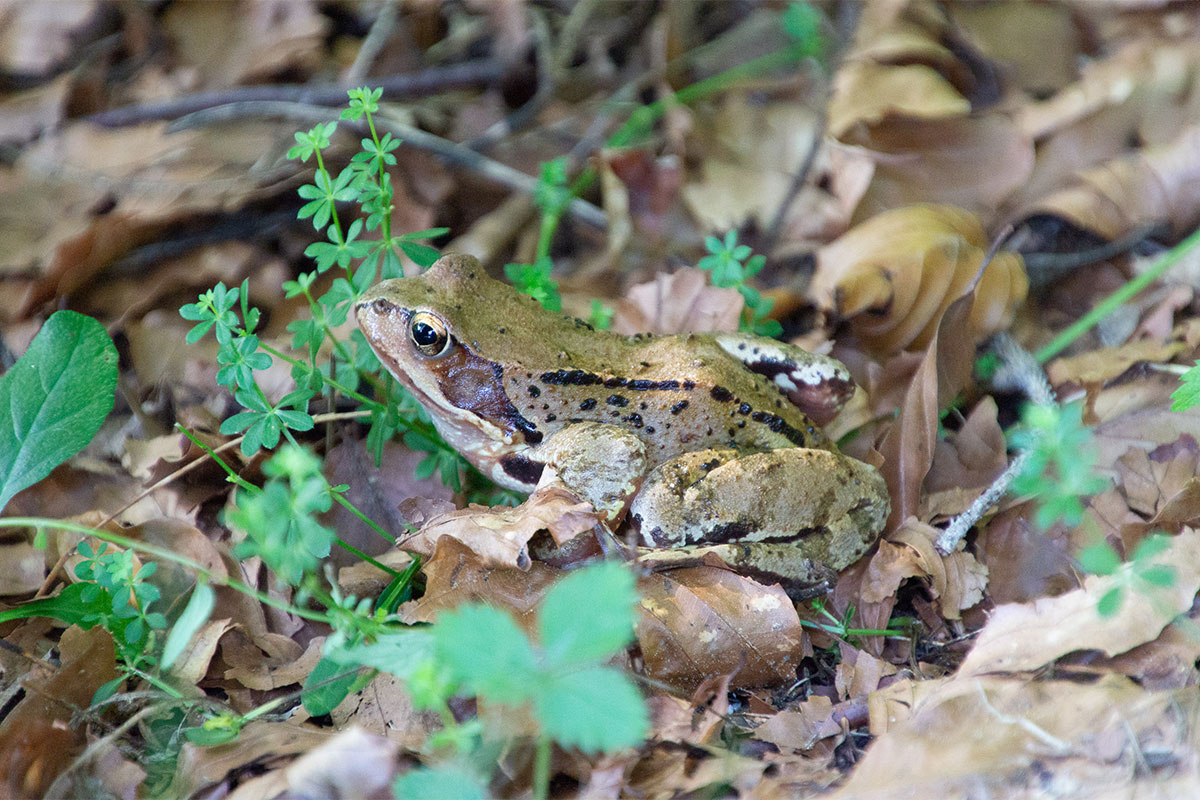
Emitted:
<point x="1030" y="635"/>
<point x="702" y="621"/>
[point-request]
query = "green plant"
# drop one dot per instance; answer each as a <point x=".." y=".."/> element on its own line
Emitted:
<point x="1187" y="396"/>
<point x="577" y="700"/>
<point x="1139" y="574"/>
<point x="1060" y="465"/>
<point x="55" y="399"/>
<point x="898" y="627"/>
<point x="727" y="261"/>
<point x="365" y="182"/>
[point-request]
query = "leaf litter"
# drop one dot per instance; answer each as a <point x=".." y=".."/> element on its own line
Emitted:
<point x="925" y="134"/>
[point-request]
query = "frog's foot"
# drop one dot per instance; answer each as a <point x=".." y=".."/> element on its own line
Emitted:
<point x="796" y="515"/>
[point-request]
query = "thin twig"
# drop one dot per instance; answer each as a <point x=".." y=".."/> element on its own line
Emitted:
<point x="452" y="152"/>
<point x="470" y="74"/>
<point x="381" y="30"/>
<point x="798" y="180"/>
<point x="1018" y="371"/>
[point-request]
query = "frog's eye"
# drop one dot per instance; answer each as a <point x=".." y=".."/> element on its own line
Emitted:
<point x="429" y="334"/>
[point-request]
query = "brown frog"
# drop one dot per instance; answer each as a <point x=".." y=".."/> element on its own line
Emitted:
<point x="706" y="441"/>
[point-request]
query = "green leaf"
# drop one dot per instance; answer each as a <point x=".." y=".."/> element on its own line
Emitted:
<point x="1188" y="394"/>
<point x="596" y="710"/>
<point x="1100" y="559"/>
<point x="1110" y="602"/>
<point x="1161" y="575"/>
<point x="194" y="615"/>
<point x="399" y="653"/>
<point x="54" y="399"/>
<point x="325" y="697"/>
<point x="446" y="783"/>
<point x="210" y="737"/>
<point x="484" y="649"/>
<point x="588" y="615"/>
<point x="69" y="606"/>
<point x="107" y="690"/>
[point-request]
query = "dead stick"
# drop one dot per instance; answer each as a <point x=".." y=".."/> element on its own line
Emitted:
<point x="470" y="74"/>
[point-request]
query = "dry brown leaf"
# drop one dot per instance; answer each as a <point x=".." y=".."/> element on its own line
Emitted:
<point x="799" y="729"/>
<point x="974" y="163"/>
<point x="859" y="674"/>
<point x="907" y="447"/>
<point x="1153" y="185"/>
<point x="261" y="743"/>
<point x="455" y="574"/>
<point x="673" y="719"/>
<point x="39" y="737"/>
<point x="353" y="764"/>
<point x="1030" y="635"/>
<point x="679" y="302"/>
<point x="384" y="707"/>
<point x="500" y="535"/>
<point x="22" y="568"/>
<point x="752" y="151"/>
<point x="1015" y="738"/>
<point x="972" y="456"/>
<point x="256" y="40"/>
<point x="702" y="621"/>
<point x="895" y="275"/>
<point x="888" y="567"/>
<point x="1104" y="364"/>
<point x="1038" y="45"/>
<point x="37" y="37"/>
<point x="1168" y="662"/>
<point x="192" y="665"/>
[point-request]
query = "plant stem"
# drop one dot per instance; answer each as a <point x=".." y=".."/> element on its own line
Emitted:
<point x="1122" y="295"/>
<point x="541" y="768"/>
<point x="166" y="555"/>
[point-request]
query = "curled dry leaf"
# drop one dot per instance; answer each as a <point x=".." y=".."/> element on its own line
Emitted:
<point x="455" y="575"/>
<point x="500" y="535"/>
<point x="1030" y="635"/>
<point x="907" y="100"/>
<point x="1150" y="186"/>
<point x="895" y="275"/>
<point x="901" y="65"/>
<point x="703" y="621"/>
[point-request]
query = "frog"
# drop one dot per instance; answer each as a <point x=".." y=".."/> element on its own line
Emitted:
<point x="698" y="443"/>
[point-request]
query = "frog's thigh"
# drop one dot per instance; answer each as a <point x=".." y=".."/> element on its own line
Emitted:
<point x="602" y="464"/>
<point x="792" y="503"/>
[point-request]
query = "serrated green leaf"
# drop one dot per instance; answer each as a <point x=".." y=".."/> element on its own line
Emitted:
<point x="194" y="615"/>
<point x="1188" y="394"/>
<point x="596" y="710"/>
<point x="54" y="399"/>
<point x="588" y="615"/>
<point x="483" y="648"/>
<point x="445" y="783"/>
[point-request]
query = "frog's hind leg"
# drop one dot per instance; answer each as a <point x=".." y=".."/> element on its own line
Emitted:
<point x="795" y="514"/>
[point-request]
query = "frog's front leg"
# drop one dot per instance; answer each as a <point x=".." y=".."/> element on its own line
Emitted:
<point x="794" y="515"/>
<point x="602" y="464"/>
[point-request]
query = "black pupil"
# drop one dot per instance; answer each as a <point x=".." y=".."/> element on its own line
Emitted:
<point x="424" y="334"/>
